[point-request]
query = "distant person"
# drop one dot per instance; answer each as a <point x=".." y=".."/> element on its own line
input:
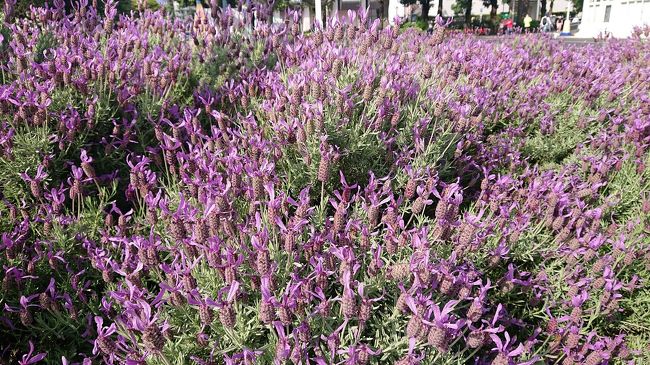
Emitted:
<point x="545" y="24"/>
<point x="554" y="20"/>
<point x="527" y="21"/>
<point x="509" y="25"/>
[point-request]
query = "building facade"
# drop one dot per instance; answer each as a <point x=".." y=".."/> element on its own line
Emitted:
<point x="613" y="17"/>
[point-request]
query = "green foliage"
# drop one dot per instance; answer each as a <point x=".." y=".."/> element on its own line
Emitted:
<point x="577" y="6"/>
<point x="361" y="152"/>
<point x="150" y="4"/>
<point x="57" y="330"/>
<point x="221" y="66"/>
<point x="419" y="24"/>
<point x="557" y="140"/>
<point x="31" y="145"/>
<point x="6" y="35"/>
<point x="624" y="189"/>
<point x="45" y="42"/>
<point x="282" y="5"/>
<point x="460" y="6"/>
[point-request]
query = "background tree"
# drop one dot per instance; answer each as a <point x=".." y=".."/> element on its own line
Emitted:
<point x="463" y="7"/>
<point x="281" y="4"/>
<point x="493" y="4"/>
<point x="577" y="6"/>
<point x="326" y="6"/>
<point x="522" y="10"/>
<point x="425" y="6"/>
<point x="542" y="7"/>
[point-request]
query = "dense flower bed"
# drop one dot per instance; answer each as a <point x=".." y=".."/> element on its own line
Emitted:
<point x="207" y="193"/>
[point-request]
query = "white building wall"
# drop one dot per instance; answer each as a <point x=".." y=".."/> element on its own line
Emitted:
<point x="306" y="18"/>
<point x="395" y="9"/>
<point x="446" y="8"/>
<point x="559" y="6"/>
<point x="624" y="15"/>
<point x="478" y="9"/>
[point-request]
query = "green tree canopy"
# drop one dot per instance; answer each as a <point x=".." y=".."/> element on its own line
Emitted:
<point x="425" y="6"/>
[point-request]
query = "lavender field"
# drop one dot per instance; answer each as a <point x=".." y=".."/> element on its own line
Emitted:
<point x="220" y="193"/>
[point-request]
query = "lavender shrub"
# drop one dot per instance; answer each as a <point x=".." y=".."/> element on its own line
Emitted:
<point x="230" y="191"/>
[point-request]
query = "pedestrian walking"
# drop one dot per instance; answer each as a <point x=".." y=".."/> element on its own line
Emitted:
<point x="545" y="24"/>
<point x="527" y="21"/>
<point x="553" y="22"/>
<point x="558" y="24"/>
<point x="509" y="25"/>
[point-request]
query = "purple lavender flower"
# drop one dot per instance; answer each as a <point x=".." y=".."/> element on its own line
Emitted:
<point x="504" y="349"/>
<point x="29" y="359"/>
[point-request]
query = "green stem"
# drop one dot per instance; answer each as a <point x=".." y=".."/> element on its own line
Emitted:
<point x="469" y="358"/>
<point x="539" y="348"/>
<point x="163" y="358"/>
<point x="594" y="314"/>
<point x="232" y="336"/>
<point x="323" y="203"/>
<point x="417" y="100"/>
<point x="451" y="141"/>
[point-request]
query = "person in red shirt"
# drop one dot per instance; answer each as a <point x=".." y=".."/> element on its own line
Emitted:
<point x="509" y="25"/>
